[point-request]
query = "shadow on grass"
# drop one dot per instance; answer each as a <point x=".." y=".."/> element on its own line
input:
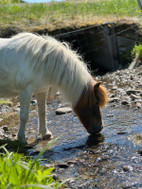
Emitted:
<point x="14" y="146"/>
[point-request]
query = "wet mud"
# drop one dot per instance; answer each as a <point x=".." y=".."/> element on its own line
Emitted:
<point x="111" y="159"/>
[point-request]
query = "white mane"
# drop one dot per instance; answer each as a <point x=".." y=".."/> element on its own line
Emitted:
<point x="58" y="64"/>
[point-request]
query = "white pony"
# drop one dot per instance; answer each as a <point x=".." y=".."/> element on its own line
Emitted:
<point x="29" y="64"/>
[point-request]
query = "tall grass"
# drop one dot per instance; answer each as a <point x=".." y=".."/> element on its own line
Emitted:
<point x="9" y="1"/>
<point x="16" y="171"/>
<point x="51" y="13"/>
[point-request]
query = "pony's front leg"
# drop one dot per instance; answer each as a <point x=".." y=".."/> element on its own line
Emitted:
<point x="41" y="99"/>
<point x="25" y="97"/>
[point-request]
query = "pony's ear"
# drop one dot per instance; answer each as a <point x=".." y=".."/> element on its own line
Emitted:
<point x="101" y="94"/>
<point x="96" y="86"/>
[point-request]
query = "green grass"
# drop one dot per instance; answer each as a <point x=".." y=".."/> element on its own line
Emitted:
<point x="31" y="15"/>
<point x="17" y="171"/>
<point x="4" y="101"/>
<point x="137" y="52"/>
<point x="2" y="2"/>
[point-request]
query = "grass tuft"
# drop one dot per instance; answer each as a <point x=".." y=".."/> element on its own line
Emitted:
<point x="17" y="171"/>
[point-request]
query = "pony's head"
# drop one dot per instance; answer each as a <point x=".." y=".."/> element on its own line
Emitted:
<point x="88" y="107"/>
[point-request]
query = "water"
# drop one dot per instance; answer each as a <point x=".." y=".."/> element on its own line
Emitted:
<point x="112" y="159"/>
<point x="41" y="1"/>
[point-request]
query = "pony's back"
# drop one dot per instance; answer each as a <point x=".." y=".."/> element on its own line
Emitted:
<point x="56" y="63"/>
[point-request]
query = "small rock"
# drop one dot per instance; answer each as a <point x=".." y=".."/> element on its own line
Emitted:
<point x="114" y="88"/>
<point x="5" y="128"/>
<point x="132" y="91"/>
<point x="112" y="96"/>
<point x="138" y="105"/>
<point x="110" y="115"/>
<point x="49" y="165"/>
<point x="34" y="102"/>
<point x="63" y="110"/>
<point x="71" y="162"/>
<point x="121" y="132"/>
<point x="63" y="165"/>
<point x="140" y="151"/>
<point x="134" y="96"/>
<point x="114" y="100"/>
<point x="125" y="102"/>
<point x="127" y="168"/>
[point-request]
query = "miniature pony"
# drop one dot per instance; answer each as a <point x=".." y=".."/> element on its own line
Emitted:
<point x="30" y="63"/>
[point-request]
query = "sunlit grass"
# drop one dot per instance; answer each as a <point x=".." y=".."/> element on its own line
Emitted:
<point x="137" y="51"/>
<point x="18" y="171"/>
<point x="4" y="101"/>
<point x="48" y="14"/>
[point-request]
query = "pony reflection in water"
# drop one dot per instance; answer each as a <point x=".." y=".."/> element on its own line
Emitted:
<point x="29" y="64"/>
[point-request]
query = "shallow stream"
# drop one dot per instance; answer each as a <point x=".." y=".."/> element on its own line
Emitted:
<point x="112" y="159"/>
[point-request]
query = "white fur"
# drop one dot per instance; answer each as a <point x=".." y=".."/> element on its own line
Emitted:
<point x="30" y="63"/>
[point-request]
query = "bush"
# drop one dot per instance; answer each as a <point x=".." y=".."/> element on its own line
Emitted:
<point x="137" y="51"/>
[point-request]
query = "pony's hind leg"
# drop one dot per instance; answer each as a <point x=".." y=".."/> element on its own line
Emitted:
<point x="41" y="99"/>
<point x="25" y="97"/>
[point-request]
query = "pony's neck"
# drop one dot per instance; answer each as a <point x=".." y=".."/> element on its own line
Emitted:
<point x="82" y="92"/>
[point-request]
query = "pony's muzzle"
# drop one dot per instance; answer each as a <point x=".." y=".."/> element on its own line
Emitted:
<point x="95" y="130"/>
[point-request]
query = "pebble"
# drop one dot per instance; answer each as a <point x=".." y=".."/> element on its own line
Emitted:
<point x="114" y="100"/>
<point x="34" y="102"/>
<point x="140" y="152"/>
<point x="125" y="102"/>
<point x="138" y="105"/>
<point x="5" y="128"/>
<point x="131" y="91"/>
<point x="63" y="110"/>
<point x="134" y="96"/>
<point x="110" y="115"/>
<point x="127" y="168"/>
<point x="121" y="132"/>
<point x="63" y="165"/>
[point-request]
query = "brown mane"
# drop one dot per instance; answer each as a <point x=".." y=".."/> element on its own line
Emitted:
<point x="89" y="97"/>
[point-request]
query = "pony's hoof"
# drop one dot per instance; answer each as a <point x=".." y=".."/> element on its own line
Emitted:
<point x="48" y="136"/>
<point x="22" y="139"/>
